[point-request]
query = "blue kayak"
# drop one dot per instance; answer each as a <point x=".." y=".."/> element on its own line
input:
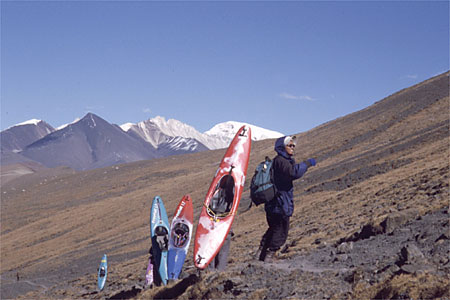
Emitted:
<point x="159" y="230"/>
<point x="102" y="273"/>
<point x="180" y="237"/>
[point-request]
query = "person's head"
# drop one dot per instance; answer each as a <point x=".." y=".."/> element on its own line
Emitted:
<point x="284" y="146"/>
<point x="289" y="144"/>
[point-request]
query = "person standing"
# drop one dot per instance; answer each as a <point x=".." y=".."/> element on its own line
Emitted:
<point x="281" y="207"/>
<point x="220" y="261"/>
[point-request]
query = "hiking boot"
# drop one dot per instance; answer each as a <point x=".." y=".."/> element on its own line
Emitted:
<point x="270" y="257"/>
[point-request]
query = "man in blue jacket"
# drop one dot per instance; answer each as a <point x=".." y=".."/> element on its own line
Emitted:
<point x="280" y="209"/>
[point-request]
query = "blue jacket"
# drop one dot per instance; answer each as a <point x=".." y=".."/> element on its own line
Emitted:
<point x="285" y="172"/>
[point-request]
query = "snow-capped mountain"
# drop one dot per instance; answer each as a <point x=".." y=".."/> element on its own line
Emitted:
<point x="226" y="131"/>
<point x="157" y="131"/>
<point x="87" y="144"/>
<point x="92" y="142"/>
<point x="17" y="137"/>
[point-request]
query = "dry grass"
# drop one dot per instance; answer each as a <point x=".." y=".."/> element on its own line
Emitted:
<point x="424" y="286"/>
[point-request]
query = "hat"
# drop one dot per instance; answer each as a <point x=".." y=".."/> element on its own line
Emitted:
<point x="289" y="139"/>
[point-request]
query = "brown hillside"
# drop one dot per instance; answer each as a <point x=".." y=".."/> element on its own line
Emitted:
<point x="389" y="161"/>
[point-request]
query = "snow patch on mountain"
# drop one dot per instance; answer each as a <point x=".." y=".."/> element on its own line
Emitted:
<point x="157" y="131"/>
<point x="227" y="130"/>
<point x="182" y="145"/>
<point x="34" y="122"/>
<point x="65" y="125"/>
<point x="17" y="137"/>
<point x="127" y="126"/>
<point x="30" y="122"/>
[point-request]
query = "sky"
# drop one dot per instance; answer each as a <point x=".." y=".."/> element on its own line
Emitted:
<point x="287" y="66"/>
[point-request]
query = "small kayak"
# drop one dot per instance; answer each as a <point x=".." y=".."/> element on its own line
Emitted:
<point x="159" y="229"/>
<point x="102" y="273"/>
<point x="180" y="236"/>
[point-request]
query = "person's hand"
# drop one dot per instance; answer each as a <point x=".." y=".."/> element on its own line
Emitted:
<point x="311" y="162"/>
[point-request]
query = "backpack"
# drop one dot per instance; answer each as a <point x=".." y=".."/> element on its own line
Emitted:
<point x="262" y="187"/>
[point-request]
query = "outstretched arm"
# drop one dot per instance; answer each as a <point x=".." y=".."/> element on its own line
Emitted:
<point x="300" y="169"/>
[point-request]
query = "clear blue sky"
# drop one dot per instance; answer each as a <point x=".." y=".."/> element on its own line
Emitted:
<point x="286" y="66"/>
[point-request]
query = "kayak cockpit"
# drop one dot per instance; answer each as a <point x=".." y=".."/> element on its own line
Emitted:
<point x="180" y="235"/>
<point x="222" y="199"/>
<point x="162" y="239"/>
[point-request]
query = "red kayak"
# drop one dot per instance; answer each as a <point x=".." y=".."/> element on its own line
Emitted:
<point x="222" y="200"/>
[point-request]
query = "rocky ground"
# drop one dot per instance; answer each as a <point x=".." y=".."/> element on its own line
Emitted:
<point x="407" y="247"/>
<point x="380" y="261"/>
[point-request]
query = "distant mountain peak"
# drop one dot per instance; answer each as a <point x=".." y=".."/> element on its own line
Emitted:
<point x="17" y="137"/>
<point x="127" y="126"/>
<point x="91" y="120"/>
<point x="88" y="117"/>
<point x="228" y="130"/>
<point x="65" y="125"/>
<point x="29" y="122"/>
<point x="35" y="122"/>
<point x="89" y="143"/>
<point x="92" y="142"/>
<point x="158" y="130"/>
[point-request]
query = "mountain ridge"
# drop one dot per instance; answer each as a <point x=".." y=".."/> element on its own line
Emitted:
<point x="146" y="140"/>
<point x="18" y="136"/>
<point x="219" y="136"/>
<point x="89" y="143"/>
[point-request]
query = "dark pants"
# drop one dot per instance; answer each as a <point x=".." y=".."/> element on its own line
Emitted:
<point x="219" y="262"/>
<point x="277" y="233"/>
